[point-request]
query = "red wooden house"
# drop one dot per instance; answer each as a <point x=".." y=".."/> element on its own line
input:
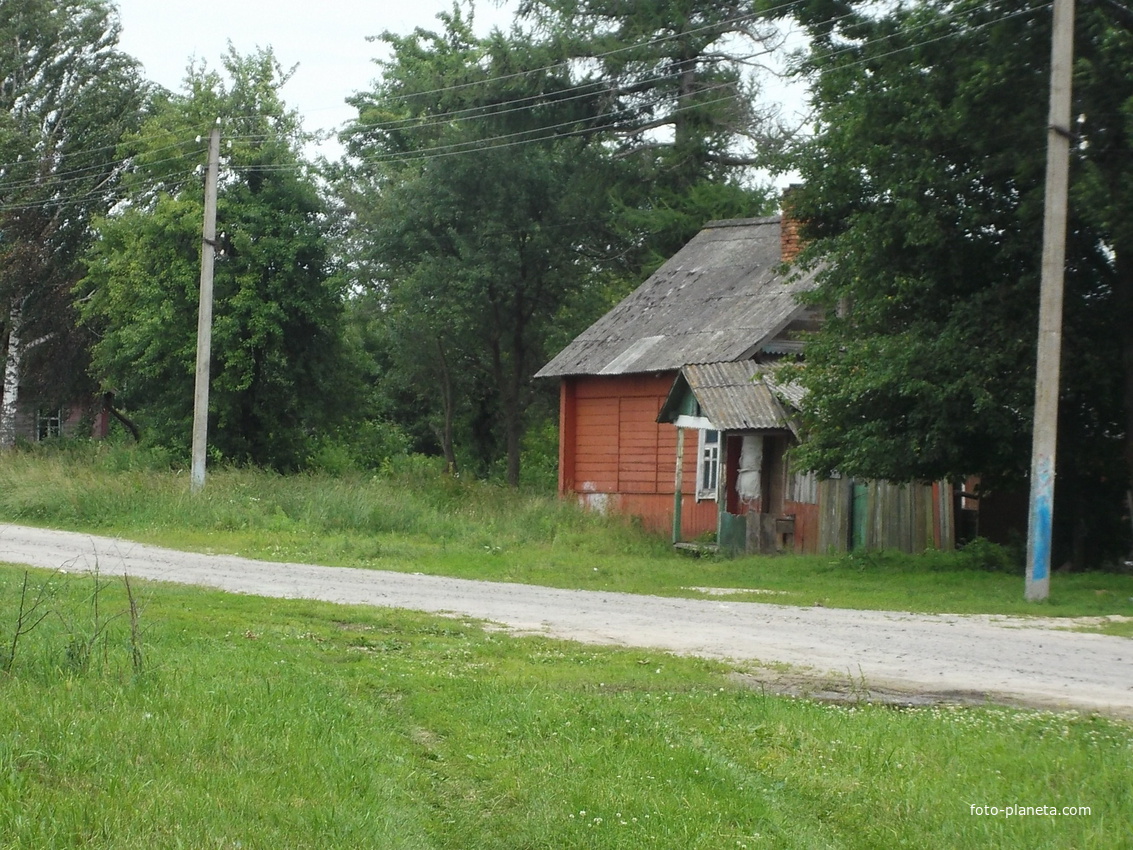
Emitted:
<point x="691" y="348"/>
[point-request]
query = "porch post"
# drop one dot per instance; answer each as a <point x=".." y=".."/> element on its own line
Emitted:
<point x="678" y="496"/>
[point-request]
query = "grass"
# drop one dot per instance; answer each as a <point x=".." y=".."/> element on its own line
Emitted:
<point x="412" y="518"/>
<point x="258" y="723"/>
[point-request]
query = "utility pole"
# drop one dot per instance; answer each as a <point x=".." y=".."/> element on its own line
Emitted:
<point x="204" y="318"/>
<point x="1045" y="438"/>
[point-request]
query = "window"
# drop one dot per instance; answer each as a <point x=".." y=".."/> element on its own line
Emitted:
<point x="708" y="465"/>
<point x="48" y="423"/>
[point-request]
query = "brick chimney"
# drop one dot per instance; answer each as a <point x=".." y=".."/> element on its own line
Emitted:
<point x="790" y="243"/>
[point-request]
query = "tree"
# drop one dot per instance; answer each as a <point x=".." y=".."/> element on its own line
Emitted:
<point x="679" y="84"/>
<point x="481" y="191"/>
<point x="924" y="195"/>
<point x="67" y="95"/>
<point x="275" y="331"/>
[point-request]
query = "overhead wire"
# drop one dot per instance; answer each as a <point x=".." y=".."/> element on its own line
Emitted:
<point x="541" y="99"/>
<point x="509" y="107"/>
<point x="85" y="171"/>
<point x="512" y="139"/>
<point x="855" y="48"/>
<point x="491" y="141"/>
<point x="494" y="110"/>
<point x="752" y="16"/>
<point x="93" y="193"/>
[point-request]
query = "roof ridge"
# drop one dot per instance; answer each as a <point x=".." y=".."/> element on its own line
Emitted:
<point x="742" y="222"/>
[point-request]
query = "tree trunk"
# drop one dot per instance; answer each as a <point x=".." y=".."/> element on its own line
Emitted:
<point x="514" y="446"/>
<point x="448" y="407"/>
<point x="11" y="377"/>
<point x="1123" y="286"/>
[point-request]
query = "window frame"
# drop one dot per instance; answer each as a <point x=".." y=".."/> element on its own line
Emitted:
<point x="708" y="464"/>
<point x="48" y="423"/>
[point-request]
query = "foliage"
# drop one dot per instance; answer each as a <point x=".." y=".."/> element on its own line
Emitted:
<point x="287" y="723"/>
<point x="924" y="195"/>
<point x="369" y="444"/>
<point x="502" y="192"/>
<point x="681" y="85"/>
<point x="484" y="211"/>
<point x="276" y="327"/>
<point x="67" y="95"/>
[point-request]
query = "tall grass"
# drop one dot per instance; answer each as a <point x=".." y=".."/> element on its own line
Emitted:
<point x="96" y="486"/>
<point x="413" y="517"/>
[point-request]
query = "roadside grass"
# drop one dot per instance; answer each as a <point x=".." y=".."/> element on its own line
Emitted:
<point x="413" y="518"/>
<point x="257" y="723"/>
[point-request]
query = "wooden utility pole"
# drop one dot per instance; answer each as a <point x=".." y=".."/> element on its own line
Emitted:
<point x="204" y="319"/>
<point x="1050" y="306"/>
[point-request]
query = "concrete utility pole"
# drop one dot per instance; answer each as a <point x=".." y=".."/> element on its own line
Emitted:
<point x="204" y="319"/>
<point x="1050" y="306"/>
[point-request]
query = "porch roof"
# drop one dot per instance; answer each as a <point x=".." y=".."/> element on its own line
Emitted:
<point x="734" y="396"/>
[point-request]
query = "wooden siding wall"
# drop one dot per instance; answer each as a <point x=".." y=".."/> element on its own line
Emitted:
<point x="806" y="526"/>
<point x="905" y="517"/>
<point x="835" y="498"/>
<point x="76" y="420"/>
<point x="615" y="455"/>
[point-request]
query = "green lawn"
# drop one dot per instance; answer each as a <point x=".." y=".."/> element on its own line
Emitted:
<point x="257" y="723"/>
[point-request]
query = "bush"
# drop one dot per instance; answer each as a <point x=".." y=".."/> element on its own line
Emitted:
<point x="982" y="554"/>
<point x="539" y="469"/>
<point x="365" y="446"/>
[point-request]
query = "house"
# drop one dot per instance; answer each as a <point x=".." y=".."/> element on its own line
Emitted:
<point x="670" y="411"/>
<point x="36" y="420"/>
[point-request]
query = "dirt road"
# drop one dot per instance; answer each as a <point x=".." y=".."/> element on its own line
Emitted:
<point x="907" y="656"/>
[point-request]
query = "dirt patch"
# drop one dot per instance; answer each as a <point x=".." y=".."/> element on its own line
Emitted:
<point x="735" y="591"/>
<point x="846" y="691"/>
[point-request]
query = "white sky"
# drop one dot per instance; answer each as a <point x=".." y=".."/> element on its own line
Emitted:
<point x="326" y="38"/>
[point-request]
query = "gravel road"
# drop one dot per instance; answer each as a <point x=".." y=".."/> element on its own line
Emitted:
<point x="900" y="656"/>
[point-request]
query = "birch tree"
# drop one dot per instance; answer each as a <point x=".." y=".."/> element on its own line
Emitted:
<point x="67" y="94"/>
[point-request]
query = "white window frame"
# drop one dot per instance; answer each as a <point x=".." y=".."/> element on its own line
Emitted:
<point x="48" y="423"/>
<point x="708" y="464"/>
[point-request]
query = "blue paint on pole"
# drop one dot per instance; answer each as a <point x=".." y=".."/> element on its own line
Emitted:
<point x="1043" y="530"/>
<point x="1040" y="530"/>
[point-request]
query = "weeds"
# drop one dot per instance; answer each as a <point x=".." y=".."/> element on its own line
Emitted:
<point x="29" y="616"/>
<point x="135" y="631"/>
<point x="84" y="630"/>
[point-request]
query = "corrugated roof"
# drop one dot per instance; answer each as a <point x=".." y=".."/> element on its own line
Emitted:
<point x="733" y="396"/>
<point x="717" y="299"/>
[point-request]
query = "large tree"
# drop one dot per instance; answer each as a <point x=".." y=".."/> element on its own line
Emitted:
<point x="924" y="195"/>
<point x="479" y="189"/>
<point x="276" y="316"/>
<point x="67" y="95"/>
<point x="680" y="88"/>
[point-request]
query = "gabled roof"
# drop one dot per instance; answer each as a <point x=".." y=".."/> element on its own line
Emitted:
<point x="735" y="396"/>
<point x="718" y="299"/>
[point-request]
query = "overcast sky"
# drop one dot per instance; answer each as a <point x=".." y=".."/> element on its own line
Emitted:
<point x="325" y="38"/>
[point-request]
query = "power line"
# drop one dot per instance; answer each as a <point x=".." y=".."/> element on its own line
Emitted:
<point x="513" y="139"/>
<point x="866" y="58"/>
<point x="527" y="136"/>
<point x="78" y="174"/>
<point x="510" y="139"/>
<point x="752" y="16"/>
